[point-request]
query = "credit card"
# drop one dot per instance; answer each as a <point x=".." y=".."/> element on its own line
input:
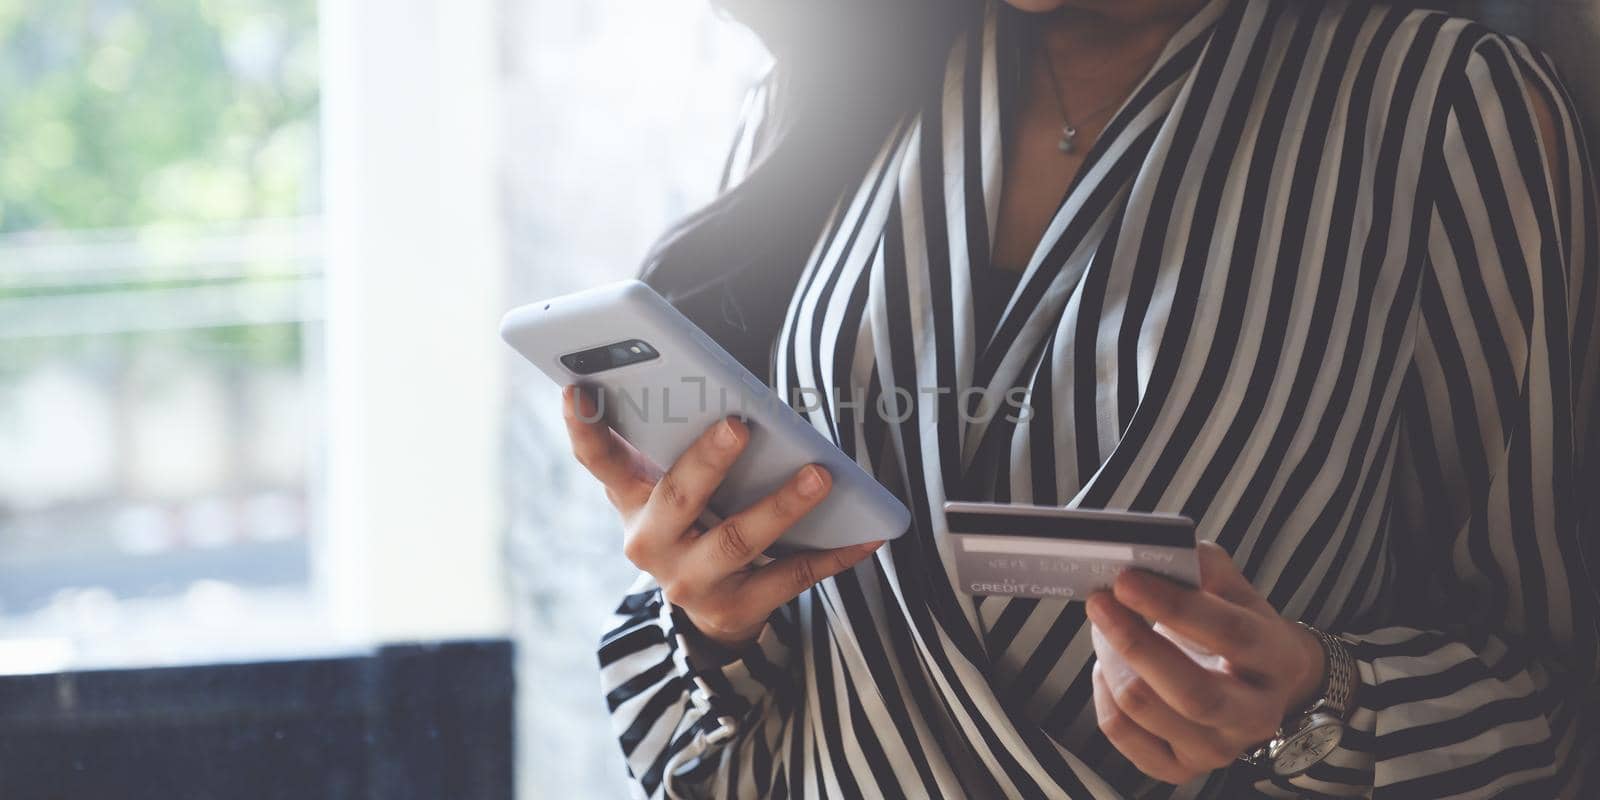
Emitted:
<point x="1011" y="550"/>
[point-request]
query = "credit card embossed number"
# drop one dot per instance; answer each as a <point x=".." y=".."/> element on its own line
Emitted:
<point x="1047" y="552"/>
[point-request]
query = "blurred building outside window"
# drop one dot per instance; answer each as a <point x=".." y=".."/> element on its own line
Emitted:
<point x="250" y="277"/>
<point x="160" y="329"/>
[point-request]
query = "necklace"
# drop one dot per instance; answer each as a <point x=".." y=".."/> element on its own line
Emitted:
<point x="1069" y="129"/>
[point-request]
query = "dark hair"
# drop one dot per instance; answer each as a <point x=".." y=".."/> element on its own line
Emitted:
<point x="845" y="71"/>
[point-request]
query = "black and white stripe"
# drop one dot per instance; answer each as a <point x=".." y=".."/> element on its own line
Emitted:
<point x="1327" y="285"/>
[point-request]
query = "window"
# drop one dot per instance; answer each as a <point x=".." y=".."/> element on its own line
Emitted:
<point x="160" y="328"/>
<point x="252" y="258"/>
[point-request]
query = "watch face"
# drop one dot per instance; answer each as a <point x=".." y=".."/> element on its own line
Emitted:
<point x="1307" y="746"/>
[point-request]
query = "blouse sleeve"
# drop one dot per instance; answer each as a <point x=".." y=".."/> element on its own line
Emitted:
<point x="693" y="719"/>
<point x="1494" y="686"/>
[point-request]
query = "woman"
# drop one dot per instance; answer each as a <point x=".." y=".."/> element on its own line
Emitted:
<point x="1320" y="275"/>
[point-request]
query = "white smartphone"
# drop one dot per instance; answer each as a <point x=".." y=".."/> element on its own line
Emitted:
<point x="661" y="382"/>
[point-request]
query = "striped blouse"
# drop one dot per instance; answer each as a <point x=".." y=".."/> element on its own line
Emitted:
<point x="1327" y="284"/>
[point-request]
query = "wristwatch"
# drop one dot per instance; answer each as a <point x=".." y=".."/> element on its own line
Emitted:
<point x="1310" y="735"/>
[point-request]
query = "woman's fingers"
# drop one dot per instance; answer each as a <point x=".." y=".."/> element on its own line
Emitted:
<point x="1205" y="716"/>
<point x="766" y="588"/>
<point x="601" y="451"/>
<point x="680" y="495"/>
<point x="742" y="604"/>
<point x="1195" y="746"/>
<point x="706" y="575"/>
<point x="1220" y="576"/>
<point x="733" y="544"/>
<point x="1151" y="754"/>
<point x="1212" y="623"/>
<point x="1193" y="691"/>
<point x="731" y="600"/>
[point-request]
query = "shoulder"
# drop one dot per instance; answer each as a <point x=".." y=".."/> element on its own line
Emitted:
<point x="1512" y="87"/>
<point x="1464" y="51"/>
<point x="1431" y="41"/>
<point x="1458" y="62"/>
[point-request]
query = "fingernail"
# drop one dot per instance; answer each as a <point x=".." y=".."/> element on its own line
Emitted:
<point x="725" y="435"/>
<point x="810" y="482"/>
<point x="871" y="546"/>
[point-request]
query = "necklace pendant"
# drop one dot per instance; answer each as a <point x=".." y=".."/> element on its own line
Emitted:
<point x="1068" y="134"/>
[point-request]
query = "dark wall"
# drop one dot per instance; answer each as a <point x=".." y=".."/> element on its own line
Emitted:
<point x="410" y="721"/>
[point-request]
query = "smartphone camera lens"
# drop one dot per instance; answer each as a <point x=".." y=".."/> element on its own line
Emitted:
<point x="588" y="362"/>
<point x="611" y="356"/>
<point x="631" y="352"/>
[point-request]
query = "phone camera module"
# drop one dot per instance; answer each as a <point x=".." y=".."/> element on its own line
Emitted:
<point x="611" y="356"/>
<point x="588" y="362"/>
<point x="631" y="352"/>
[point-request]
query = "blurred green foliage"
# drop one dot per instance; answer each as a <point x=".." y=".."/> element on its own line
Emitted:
<point x="119" y="113"/>
<point x="177" y="113"/>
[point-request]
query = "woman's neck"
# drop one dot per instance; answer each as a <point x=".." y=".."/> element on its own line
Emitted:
<point x="1086" y="62"/>
<point x="1095" y="38"/>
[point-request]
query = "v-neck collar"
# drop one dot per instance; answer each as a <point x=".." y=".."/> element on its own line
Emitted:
<point x="976" y="122"/>
<point x="939" y="206"/>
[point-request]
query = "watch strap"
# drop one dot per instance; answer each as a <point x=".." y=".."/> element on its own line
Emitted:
<point x="1339" y="682"/>
<point x="1335" y="696"/>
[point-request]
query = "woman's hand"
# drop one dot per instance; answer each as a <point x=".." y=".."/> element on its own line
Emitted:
<point x="706" y="573"/>
<point x="1188" y="679"/>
